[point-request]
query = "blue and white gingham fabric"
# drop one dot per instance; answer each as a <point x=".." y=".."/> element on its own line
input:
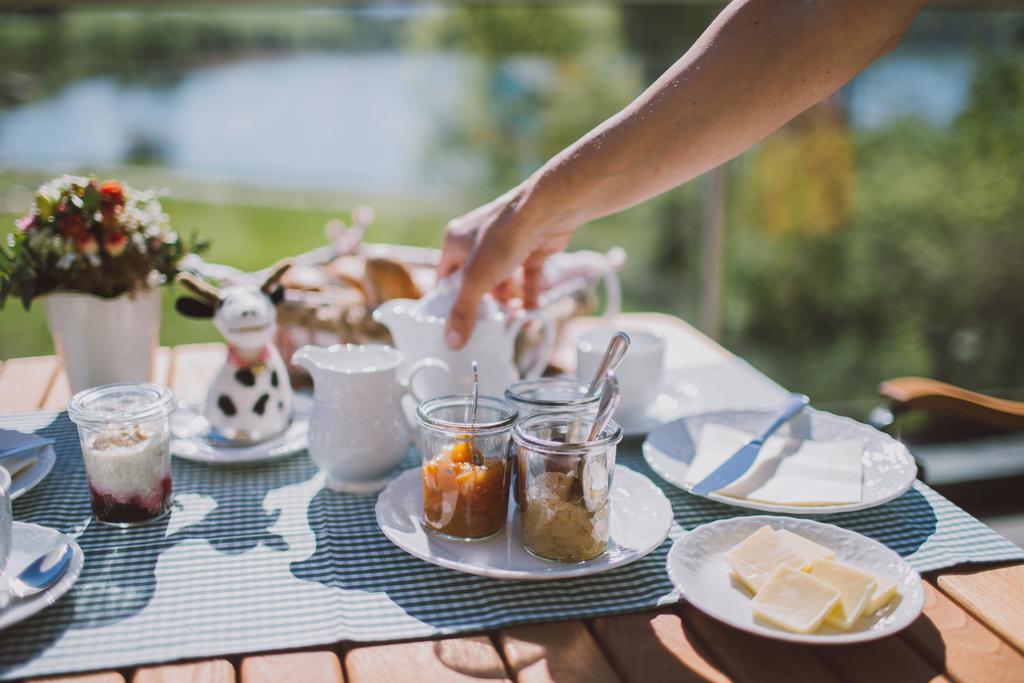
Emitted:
<point x="263" y="557"/>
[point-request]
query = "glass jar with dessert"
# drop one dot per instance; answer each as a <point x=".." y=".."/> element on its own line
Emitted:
<point x="465" y="465"/>
<point x="125" y="437"/>
<point x="565" y="485"/>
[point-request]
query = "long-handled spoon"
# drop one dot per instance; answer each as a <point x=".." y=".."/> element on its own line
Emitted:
<point x="617" y="347"/>
<point x="477" y="459"/>
<point x="609" y="401"/>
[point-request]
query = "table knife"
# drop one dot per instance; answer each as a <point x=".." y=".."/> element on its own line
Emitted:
<point x="738" y="463"/>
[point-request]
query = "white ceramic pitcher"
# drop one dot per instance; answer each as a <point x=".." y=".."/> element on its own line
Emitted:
<point x="358" y="432"/>
<point x="417" y="328"/>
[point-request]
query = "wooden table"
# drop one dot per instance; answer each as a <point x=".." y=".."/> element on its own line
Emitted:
<point x="972" y="628"/>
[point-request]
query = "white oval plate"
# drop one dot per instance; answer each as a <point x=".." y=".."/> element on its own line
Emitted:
<point x="697" y="566"/>
<point x="29" y="542"/>
<point x="27" y="480"/>
<point x="189" y="429"/>
<point x="889" y="468"/>
<point x="641" y="520"/>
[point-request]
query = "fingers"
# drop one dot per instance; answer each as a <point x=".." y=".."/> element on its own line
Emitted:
<point x="533" y="271"/>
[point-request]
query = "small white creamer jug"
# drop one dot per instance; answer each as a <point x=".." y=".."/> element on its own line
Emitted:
<point x="358" y="432"/>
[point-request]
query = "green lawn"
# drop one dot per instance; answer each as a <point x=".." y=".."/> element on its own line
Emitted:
<point x="247" y="237"/>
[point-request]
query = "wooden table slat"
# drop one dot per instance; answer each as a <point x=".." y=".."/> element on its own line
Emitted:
<point x="24" y="382"/>
<point x="322" y="666"/>
<point x="889" y="659"/>
<point x="98" y="677"/>
<point x="206" y="671"/>
<point x="655" y="646"/>
<point x="751" y="658"/>
<point x="560" y="651"/>
<point x="954" y="642"/>
<point x="471" y="658"/>
<point x="995" y="597"/>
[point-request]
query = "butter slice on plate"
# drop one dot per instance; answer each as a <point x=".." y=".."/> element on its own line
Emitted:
<point x="809" y="551"/>
<point x="855" y="587"/>
<point x="754" y="559"/>
<point x="885" y="591"/>
<point x="794" y="600"/>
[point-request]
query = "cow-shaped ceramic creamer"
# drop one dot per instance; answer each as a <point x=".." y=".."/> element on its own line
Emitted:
<point x="250" y="398"/>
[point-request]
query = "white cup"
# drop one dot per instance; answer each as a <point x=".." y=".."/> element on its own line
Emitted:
<point x="6" y="530"/>
<point x="639" y="373"/>
<point x="359" y="432"/>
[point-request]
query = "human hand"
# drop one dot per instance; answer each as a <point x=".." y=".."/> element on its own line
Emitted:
<point x="489" y="245"/>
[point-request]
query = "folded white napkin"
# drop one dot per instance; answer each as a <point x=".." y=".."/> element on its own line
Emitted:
<point x="786" y="471"/>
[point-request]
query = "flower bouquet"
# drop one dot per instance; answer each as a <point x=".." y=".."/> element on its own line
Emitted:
<point x="96" y="253"/>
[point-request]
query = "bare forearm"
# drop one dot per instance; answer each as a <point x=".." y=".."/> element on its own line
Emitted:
<point x="759" y="64"/>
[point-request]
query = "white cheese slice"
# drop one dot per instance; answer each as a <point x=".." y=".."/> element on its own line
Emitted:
<point x="808" y="550"/>
<point x="794" y="600"/>
<point x="855" y="588"/>
<point x="755" y="558"/>
<point x="885" y="591"/>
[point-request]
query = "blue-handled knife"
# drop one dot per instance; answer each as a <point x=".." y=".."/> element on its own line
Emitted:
<point x="738" y="463"/>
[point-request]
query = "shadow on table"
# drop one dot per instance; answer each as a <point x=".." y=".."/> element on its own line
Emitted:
<point x="118" y="578"/>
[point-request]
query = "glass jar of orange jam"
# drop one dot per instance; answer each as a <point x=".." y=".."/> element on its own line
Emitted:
<point x="465" y="468"/>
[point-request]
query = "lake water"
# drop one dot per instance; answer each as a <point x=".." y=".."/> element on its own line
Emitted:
<point x="361" y="123"/>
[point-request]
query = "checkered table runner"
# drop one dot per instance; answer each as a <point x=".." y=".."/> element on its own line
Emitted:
<point x="263" y="557"/>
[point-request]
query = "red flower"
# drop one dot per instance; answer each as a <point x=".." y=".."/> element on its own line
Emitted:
<point x="86" y="243"/>
<point x="111" y="199"/>
<point x="71" y="226"/>
<point x="114" y="243"/>
<point x="112" y="192"/>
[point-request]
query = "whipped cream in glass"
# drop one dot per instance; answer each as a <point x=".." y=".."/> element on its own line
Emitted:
<point x="125" y="440"/>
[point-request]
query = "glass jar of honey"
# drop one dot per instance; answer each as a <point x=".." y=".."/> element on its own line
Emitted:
<point x="465" y="469"/>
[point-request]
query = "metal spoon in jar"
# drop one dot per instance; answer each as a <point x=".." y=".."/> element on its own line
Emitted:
<point x="617" y="347"/>
<point x="609" y="401"/>
<point x="477" y="459"/>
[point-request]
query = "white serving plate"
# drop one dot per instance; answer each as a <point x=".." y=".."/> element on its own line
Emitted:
<point x="697" y="566"/>
<point x="189" y="430"/>
<point x="33" y="476"/>
<point x="677" y="396"/>
<point x="29" y="542"/>
<point x="641" y="519"/>
<point x="889" y="468"/>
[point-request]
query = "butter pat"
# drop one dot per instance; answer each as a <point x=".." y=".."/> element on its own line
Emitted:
<point x="794" y="600"/>
<point x="855" y="587"/>
<point x="809" y="551"/>
<point x="760" y="554"/>
<point x="885" y="591"/>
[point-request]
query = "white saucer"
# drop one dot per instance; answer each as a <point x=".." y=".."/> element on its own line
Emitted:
<point x="31" y="541"/>
<point x="189" y="430"/>
<point x="641" y="520"/>
<point x="33" y="476"/>
<point x="889" y="468"/>
<point x="697" y="566"/>
<point x="677" y="396"/>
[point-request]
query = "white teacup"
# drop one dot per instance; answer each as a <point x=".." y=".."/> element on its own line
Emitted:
<point x="359" y="432"/>
<point x="639" y="373"/>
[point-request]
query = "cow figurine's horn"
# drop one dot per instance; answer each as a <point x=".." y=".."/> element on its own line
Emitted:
<point x="276" y="273"/>
<point x="200" y="287"/>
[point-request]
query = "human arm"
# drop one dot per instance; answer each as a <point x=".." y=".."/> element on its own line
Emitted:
<point x="759" y="64"/>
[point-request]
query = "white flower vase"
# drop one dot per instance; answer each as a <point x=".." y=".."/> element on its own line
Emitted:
<point x="102" y="341"/>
